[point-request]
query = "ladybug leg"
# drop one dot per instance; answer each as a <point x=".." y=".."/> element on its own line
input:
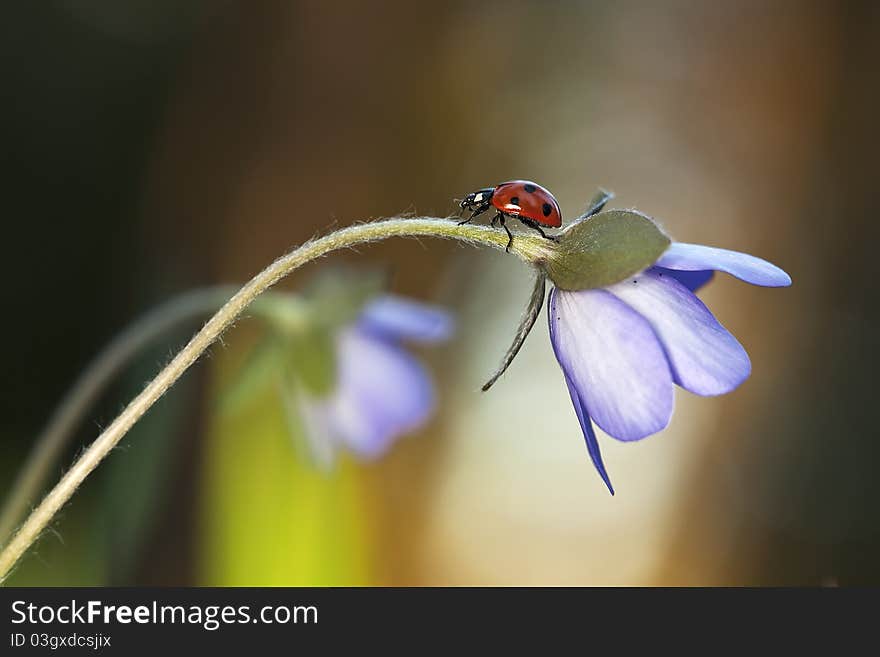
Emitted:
<point x="536" y="227"/>
<point x="480" y="210"/>
<point x="476" y="213"/>
<point x="500" y="218"/>
<point x="552" y="238"/>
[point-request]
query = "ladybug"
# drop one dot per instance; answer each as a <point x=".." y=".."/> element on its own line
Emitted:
<point x="532" y="204"/>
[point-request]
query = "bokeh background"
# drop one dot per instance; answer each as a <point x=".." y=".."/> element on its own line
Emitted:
<point x="151" y="147"/>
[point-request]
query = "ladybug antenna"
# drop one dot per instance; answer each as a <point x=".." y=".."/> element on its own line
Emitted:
<point x="525" y="326"/>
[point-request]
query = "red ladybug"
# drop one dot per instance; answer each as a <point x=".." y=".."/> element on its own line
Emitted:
<point x="532" y="204"/>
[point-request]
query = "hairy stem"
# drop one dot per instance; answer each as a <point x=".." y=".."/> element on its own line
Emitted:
<point x="532" y="250"/>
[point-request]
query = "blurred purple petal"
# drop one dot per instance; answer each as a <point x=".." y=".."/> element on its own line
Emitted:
<point x="381" y="394"/>
<point x="589" y="434"/>
<point x="692" y="280"/>
<point x="705" y="358"/>
<point x="695" y="257"/>
<point x="395" y="318"/>
<point x="614" y="360"/>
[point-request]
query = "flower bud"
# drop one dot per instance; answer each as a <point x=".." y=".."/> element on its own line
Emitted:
<point x="604" y="249"/>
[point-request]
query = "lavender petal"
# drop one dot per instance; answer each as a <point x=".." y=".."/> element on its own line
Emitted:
<point x="695" y="257"/>
<point x="589" y="434"/>
<point x="396" y="318"/>
<point x="614" y="360"/>
<point x="382" y="393"/>
<point x="705" y="358"/>
<point x="692" y="280"/>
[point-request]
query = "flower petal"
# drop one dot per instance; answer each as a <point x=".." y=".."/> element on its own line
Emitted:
<point x="705" y="358"/>
<point x="614" y="360"/>
<point x="589" y="434"/>
<point x="692" y="280"/>
<point x="382" y="393"/>
<point x="396" y="318"/>
<point x="695" y="257"/>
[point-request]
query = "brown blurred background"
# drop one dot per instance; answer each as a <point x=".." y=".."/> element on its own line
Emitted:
<point x="152" y="147"/>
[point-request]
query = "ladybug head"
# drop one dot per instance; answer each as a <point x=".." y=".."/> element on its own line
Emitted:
<point x="476" y="199"/>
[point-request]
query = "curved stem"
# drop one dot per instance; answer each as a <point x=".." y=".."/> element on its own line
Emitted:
<point x="530" y="249"/>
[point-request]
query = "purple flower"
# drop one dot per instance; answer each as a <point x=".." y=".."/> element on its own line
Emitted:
<point x="622" y="347"/>
<point x="381" y="391"/>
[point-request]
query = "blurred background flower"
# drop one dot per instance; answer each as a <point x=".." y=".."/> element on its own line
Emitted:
<point x="150" y="148"/>
<point x="380" y="392"/>
<point x="336" y="358"/>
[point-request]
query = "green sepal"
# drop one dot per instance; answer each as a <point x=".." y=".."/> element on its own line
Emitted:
<point x="605" y="249"/>
<point x="337" y="296"/>
<point x="261" y="366"/>
<point x="310" y="358"/>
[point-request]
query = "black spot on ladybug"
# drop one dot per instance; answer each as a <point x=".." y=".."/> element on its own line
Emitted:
<point x="546" y="209"/>
<point x="515" y="200"/>
<point x="529" y="188"/>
